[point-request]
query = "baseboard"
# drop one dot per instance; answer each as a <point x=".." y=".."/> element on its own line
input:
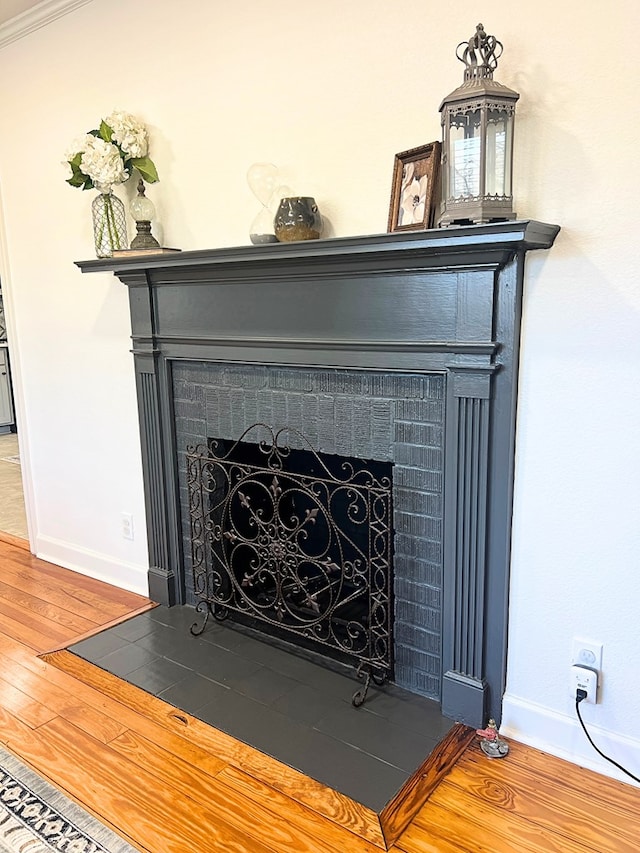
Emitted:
<point x="561" y="735"/>
<point x="97" y="566"/>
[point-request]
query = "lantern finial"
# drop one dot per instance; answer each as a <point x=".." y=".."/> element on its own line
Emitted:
<point x="480" y="55"/>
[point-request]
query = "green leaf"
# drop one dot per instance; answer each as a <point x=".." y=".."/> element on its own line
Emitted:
<point x="78" y="178"/>
<point x="105" y="132"/>
<point x="146" y="168"/>
<point x="81" y="181"/>
<point x="93" y="133"/>
<point x="76" y="181"/>
<point x="75" y="161"/>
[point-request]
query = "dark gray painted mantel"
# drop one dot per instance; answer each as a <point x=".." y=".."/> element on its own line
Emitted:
<point x="444" y="301"/>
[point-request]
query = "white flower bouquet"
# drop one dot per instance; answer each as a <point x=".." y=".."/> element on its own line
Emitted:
<point x="100" y="160"/>
<point x="107" y="156"/>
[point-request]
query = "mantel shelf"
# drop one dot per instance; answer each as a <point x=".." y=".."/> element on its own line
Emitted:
<point x="494" y="243"/>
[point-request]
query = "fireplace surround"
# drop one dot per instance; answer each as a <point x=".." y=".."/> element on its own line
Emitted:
<point x="440" y="307"/>
<point x="366" y="419"/>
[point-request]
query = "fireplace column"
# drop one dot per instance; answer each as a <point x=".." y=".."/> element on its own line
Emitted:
<point x="464" y="689"/>
<point x="155" y="438"/>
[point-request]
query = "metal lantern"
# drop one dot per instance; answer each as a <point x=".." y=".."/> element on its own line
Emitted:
<point x="477" y="139"/>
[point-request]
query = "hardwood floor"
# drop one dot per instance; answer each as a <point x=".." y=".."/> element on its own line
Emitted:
<point x="13" y="519"/>
<point x="171" y="784"/>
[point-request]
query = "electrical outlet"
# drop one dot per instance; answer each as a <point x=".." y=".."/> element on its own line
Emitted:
<point x="583" y="678"/>
<point x="127" y="525"/>
<point x="586" y="653"/>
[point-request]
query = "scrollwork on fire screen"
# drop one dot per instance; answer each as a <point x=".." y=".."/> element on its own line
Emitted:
<point x="294" y="540"/>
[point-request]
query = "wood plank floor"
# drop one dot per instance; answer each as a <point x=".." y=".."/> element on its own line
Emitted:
<point x="169" y="787"/>
<point x="13" y="518"/>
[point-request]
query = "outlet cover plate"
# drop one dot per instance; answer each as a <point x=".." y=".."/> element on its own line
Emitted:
<point x="127" y="525"/>
<point x="586" y="653"/>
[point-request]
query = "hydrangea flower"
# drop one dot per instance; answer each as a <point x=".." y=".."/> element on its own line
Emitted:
<point x="130" y="135"/>
<point x="101" y="161"/>
<point x="105" y="157"/>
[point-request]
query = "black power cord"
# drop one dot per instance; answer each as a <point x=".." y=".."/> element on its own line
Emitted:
<point x="580" y="695"/>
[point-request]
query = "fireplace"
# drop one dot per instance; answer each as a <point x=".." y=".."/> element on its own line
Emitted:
<point x="396" y="348"/>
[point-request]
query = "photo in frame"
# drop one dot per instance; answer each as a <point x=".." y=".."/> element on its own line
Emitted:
<point x="415" y="190"/>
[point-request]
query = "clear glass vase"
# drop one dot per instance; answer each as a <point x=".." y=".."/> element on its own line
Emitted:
<point x="109" y="224"/>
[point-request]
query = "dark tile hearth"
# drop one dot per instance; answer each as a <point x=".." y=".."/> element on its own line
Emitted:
<point x="280" y="703"/>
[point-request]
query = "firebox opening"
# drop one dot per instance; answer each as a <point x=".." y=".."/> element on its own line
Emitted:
<point x="296" y="544"/>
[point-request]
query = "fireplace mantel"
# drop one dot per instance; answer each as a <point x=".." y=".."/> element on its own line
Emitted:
<point x="444" y="301"/>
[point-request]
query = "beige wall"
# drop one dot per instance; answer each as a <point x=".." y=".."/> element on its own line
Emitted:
<point x="330" y="92"/>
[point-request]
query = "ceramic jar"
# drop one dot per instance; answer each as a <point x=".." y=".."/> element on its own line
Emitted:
<point x="297" y="218"/>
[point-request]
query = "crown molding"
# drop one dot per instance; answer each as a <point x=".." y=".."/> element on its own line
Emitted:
<point x="39" y="16"/>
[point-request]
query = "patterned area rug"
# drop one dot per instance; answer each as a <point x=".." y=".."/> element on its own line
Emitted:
<point x="36" y="818"/>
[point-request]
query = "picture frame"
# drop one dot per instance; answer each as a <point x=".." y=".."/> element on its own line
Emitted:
<point x="415" y="189"/>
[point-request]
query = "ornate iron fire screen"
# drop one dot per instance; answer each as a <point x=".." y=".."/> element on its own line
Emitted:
<point x="295" y="542"/>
